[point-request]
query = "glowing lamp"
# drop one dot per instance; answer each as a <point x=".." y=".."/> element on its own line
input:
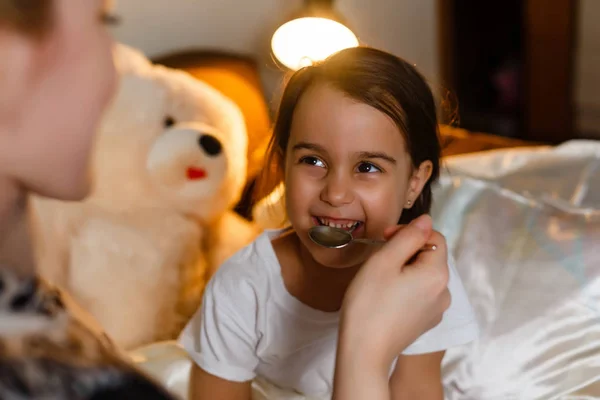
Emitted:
<point x="313" y="35"/>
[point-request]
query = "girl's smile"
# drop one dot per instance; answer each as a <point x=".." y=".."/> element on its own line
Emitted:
<point x="355" y="227"/>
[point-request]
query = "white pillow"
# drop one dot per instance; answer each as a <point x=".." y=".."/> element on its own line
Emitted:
<point x="524" y="228"/>
<point x="269" y="212"/>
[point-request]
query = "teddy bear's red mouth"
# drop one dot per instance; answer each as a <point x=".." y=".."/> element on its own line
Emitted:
<point x="194" y="173"/>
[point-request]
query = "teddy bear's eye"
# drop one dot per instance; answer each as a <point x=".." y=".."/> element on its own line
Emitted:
<point x="169" y="122"/>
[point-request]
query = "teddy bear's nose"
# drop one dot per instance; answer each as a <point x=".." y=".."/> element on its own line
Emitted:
<point x="210" y="145"/>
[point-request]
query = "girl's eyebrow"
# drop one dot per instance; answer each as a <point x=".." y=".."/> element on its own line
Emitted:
<point x="309" y="146"/>
<point x="377" y="154"/>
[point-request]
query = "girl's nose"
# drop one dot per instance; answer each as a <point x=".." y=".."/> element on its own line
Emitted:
<point x="337" y="191"/>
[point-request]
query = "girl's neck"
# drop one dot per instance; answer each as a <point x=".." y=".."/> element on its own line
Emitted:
<point x="15" y="242"/>
<point x="315" y="285"/>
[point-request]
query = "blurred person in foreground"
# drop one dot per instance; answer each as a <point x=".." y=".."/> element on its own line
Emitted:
<point x="56" y="78"/>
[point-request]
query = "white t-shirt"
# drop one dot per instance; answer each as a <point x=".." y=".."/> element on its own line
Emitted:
<point x="250" y="326"/>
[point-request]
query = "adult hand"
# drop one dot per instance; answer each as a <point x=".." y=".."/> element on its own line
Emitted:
<point x="391" y="303"/>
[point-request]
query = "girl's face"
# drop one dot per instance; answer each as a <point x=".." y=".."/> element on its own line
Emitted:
<point x="346" y="166"/>
<point x="59" y="88"/>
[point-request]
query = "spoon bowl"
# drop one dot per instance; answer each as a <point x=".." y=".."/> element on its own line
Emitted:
<point x="335" y="238"/>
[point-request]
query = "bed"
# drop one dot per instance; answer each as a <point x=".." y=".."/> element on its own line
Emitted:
<point x="522" y="220"/>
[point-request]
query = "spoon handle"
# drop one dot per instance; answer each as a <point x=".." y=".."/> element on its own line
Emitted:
<point x="369" y="241"/>
<point x="381" y="241"/>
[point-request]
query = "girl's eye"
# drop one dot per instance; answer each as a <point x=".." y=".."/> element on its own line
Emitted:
<point x="312" y="161"/>
<point x="366" y="168"/>
<point x="107" y="18"/>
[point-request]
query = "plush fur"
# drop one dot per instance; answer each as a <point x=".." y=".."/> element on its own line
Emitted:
<point x="169" y="164"/>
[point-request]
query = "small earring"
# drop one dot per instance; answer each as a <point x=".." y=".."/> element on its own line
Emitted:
<point x="408" y="203"/>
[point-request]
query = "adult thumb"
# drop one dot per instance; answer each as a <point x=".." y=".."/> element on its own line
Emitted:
<point x="407" y="241"/>
<point x="391" y="231"/>
<point x="423" y="222"/>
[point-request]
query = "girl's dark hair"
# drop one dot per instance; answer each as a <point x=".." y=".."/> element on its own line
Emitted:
<point x="381" y="80"/>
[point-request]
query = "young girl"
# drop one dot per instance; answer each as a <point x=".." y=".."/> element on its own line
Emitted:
<point x="356" y="144"/>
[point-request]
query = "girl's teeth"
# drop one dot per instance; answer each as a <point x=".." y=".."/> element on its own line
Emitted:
<point x="332" y="224"/>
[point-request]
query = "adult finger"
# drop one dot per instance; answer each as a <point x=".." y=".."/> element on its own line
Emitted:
<point x="391" y="231"/>
<point x="439" y="256"/>
<point x="434" y="263"/>
<point x="406" y="242"/>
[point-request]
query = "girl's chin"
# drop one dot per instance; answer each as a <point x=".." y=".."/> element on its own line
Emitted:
<point x="347" y="257"/>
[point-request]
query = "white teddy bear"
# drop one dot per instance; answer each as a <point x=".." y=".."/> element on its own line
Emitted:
<point x="169" y="164"/>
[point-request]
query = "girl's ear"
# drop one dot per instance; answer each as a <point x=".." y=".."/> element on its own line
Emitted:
<point x="417" y="182"/>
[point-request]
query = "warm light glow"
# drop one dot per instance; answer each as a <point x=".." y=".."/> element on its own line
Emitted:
<point x="303" y="41"/>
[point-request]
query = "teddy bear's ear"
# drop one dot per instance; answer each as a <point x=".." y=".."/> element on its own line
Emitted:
<point x="127" y="59"/>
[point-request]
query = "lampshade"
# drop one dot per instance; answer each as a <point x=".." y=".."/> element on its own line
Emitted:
<point x="311" y="37"/>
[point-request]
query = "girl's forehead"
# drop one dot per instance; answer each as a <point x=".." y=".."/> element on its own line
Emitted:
<point x="328" y="117"/>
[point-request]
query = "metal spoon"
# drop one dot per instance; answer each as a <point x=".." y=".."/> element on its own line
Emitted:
<point x="336" y="238"/>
